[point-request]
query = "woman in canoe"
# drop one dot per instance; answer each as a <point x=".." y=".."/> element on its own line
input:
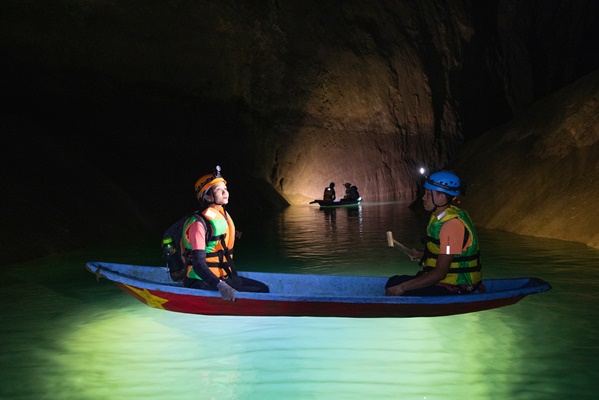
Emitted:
<point x="451" y="258"/>
<point x="210" y="236"/>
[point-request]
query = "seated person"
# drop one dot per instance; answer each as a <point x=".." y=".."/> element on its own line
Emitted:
<point x="329" y="192"/>
<point x="451" y="259"/>
<point x="353" y="193"/>
<point x="347" y="191"/>
<point x="210" y="238"/>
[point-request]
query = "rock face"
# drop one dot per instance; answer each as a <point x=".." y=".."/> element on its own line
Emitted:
<point x="539" y="174"/>
<point x="290" y="94"/>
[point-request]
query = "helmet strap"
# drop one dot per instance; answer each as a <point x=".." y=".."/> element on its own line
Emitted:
<point x="440" y="205"/>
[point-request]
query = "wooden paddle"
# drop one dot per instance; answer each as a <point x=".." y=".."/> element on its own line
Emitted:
<point x="392" y="243"/>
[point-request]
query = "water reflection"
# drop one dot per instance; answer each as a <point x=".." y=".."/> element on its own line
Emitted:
<point x="77" y="338"/>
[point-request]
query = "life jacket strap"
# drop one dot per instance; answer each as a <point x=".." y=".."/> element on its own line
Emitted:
<point x="463" y="270"/>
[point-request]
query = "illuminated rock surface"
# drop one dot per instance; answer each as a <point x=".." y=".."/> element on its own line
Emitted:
<point x="539" y="174"/>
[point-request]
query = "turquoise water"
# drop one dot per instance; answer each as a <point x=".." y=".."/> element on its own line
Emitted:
<point x="66" y="336"/>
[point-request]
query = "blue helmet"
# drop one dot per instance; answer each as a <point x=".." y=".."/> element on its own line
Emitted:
<point x="445" y="182"/>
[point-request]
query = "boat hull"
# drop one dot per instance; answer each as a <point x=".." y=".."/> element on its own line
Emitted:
<point x="252" y="307"/>
<point x="337" y="203"/>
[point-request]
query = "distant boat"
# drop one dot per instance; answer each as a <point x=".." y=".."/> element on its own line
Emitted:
<point x="337" y="203"/>
<point x="308" y="295"/>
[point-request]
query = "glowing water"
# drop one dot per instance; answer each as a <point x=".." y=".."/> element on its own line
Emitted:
<point x="66" y="336"/>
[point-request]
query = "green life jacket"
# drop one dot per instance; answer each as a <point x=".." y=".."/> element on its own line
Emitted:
<point x="220" y="240"/>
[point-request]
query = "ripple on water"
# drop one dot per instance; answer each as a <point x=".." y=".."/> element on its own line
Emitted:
<point x="75" y="335"/>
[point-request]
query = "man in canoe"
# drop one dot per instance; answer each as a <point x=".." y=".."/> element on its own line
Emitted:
<point x="351" y="192"/>
<point x="210" y="236"/>
<point x="451" y="258"/>
<point x="329" y="192"/>
<point x="347" y="191"/>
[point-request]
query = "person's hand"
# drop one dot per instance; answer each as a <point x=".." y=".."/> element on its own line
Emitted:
<point x="396" y="290"/>
<point x="415" y="255"/>
<point x="226" y="291"/>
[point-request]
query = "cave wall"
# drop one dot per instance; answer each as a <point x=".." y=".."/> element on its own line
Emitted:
<point x="319" y="86"/>
<point x="364" y="91"/>
<point x="127" y="97"/>
<point x="538" y="175"/>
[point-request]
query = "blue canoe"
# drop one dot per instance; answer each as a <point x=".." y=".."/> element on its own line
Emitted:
<point x="308" y="295"/>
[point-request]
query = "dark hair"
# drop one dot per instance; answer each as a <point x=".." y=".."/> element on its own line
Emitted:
<point x="203" y="202"/>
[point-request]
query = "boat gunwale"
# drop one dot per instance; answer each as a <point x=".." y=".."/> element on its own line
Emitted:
<point x="531" y="286"/>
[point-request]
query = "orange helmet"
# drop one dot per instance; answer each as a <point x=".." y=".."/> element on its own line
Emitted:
<point x="207" y="181"/>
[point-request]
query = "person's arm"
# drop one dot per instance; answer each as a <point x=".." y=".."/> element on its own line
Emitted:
<point x="451" y="243"/>
<point x="197" y="238"/>
<point x="427" y="279"/>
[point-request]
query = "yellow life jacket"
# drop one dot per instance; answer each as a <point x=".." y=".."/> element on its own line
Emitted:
<point x="465" y="267"/>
